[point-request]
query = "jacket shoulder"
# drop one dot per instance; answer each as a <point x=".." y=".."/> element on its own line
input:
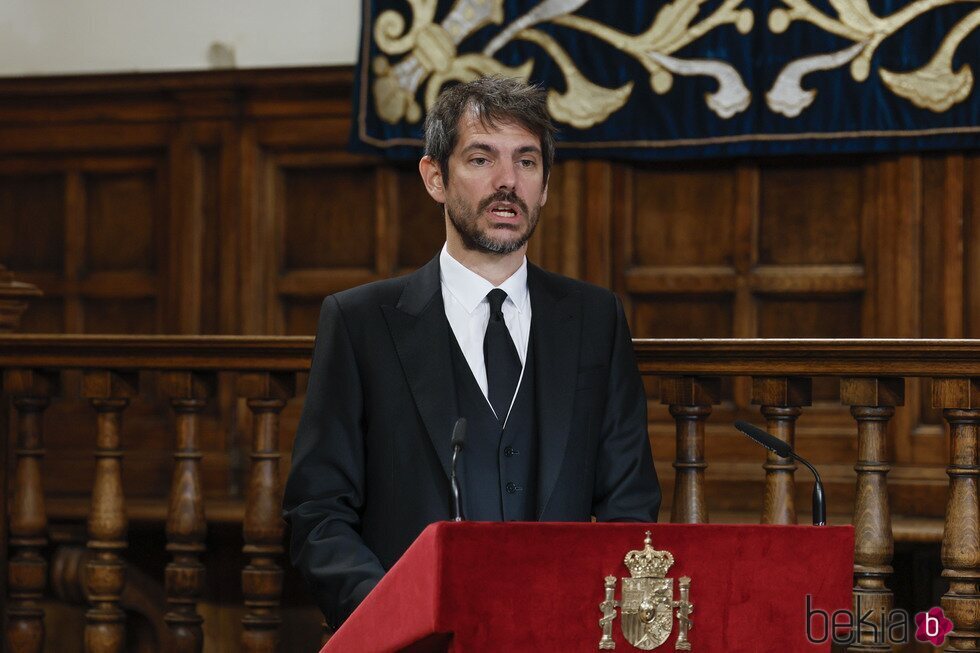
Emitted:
<point x="593" y="296"/>
<point x="371" y="295"/>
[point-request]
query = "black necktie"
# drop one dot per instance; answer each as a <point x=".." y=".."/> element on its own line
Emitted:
<point x="500" y="355"/>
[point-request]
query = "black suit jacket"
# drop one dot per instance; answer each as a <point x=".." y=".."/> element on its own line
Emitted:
<point x="370" y="465"/>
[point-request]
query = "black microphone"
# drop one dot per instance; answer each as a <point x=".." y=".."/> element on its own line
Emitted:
<point x="783" y="449"/>
<point x="459" y="437"/>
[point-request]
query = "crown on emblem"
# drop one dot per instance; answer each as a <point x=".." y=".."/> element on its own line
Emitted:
<point x="648" y="563"/>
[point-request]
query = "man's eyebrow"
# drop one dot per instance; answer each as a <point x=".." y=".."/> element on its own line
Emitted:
<point x="483" y="147"/>
<point x="529" y="149"/>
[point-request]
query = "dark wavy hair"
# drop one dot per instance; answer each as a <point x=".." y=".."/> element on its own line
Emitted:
<point x="496" y="100"/>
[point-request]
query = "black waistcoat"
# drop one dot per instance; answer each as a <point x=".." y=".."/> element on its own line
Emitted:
<point x="498" y="468"/>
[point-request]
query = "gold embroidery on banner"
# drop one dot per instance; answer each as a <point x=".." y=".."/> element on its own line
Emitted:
<point x="417" y="51"/>
<point x="670" y="31"/>
<point x="934" y="86"/>
<point x="433" y="56"/>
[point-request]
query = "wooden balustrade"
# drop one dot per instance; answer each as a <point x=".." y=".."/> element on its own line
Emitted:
<point x="872" y="402"/>
<point x="263" y="528"/>
<point x="960" y="400"/>
<point x="872" y="376"/>
<point x="27" y="569"/>
<point x="690" y="400"/>
<point x="781" y="400"/>
<point x="109" y="392"/>
<point x="186" y="523"/>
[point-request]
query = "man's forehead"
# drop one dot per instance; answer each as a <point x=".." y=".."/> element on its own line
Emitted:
<point x="473" y="127"/>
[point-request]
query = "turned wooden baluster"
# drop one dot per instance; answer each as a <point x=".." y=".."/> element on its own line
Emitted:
<point x="781" y="399"/>
<point x="960" y="401"/>
<point x="872" y="402"/>
<point x="109" y="393"/>
<point x="262" y="578"/>
<point x="690" y="399"/>
<point x="27" y="569"/>
<point x="186" y="524"/>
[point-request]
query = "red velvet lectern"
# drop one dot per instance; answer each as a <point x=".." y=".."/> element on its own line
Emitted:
<point x="476" y="587"/>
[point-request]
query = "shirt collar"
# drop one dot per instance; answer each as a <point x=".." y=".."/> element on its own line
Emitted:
<point x="470" y="289"/>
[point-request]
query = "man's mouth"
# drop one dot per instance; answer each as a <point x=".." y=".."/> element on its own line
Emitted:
<point x="505" y="211"/>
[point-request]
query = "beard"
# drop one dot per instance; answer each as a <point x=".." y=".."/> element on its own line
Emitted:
<point x="466" y="221"/>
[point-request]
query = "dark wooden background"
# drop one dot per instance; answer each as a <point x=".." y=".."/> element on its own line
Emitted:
<point x="227" y="203"/>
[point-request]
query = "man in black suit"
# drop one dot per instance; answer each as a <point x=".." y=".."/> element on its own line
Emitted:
<point x="554" y="403"/>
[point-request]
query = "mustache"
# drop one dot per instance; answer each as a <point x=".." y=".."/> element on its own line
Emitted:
<point x="502" y="196"/>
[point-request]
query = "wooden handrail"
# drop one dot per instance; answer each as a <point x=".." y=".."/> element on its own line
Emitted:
<point x="218" y="353"/>
<point x="809" y="357"/>
<point x="717" y="357"/>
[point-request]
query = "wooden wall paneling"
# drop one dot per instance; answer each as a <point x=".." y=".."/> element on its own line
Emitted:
<point x="215" y="244"/>
<point x="971" y="246"/>
<point x="544" y="248"/>
<point x="942" y="284"/>
<point x="869" y="249"/>
<point x="61" y="138"/>
<point x="75" y="231"/>
<point x="387" y="222"/>
<point x="126" y="245"/>
<point x="230" y="212"/>
<point x="898" y="192"/>
<point x="598" y="209"/>
<point x="331" y="219"/>
<point x="300" y="132"/>
<point x="253" y="299"/>
<point x="186" y="225"/>
<point x="571" y="242"/>
<point x="951" y="221"/>
<point x="31" y="219"/>
<point x="623" y="241"/>
<point x="899" y="220"/>
<point x="378" y="236"/>
<point x="32" y="237"/>
<point x="680" y="275"/>
<point x="745" y="256"/>
<point x="421" y="225"/>
<point x="809" y="280"/>
<point x="942" y="247"/>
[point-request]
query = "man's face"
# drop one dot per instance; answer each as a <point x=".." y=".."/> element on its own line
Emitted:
<point x="496" y="186"/>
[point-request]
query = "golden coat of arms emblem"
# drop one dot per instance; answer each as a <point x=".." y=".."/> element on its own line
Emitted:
<point x="647" y="602"/>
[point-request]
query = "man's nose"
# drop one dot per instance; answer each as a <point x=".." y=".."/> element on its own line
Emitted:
<point x="505" y="178"/>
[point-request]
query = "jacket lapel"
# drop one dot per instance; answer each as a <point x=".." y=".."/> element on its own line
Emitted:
<point x="556" y="319"/>
<point x="420" y="331"/>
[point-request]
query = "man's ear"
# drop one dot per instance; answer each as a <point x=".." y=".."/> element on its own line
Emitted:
<point x="544" y="192"/>
<point x="432" y="178"/>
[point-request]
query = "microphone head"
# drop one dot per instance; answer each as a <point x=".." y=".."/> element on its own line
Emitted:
<point x="767" y="440"/>
<point x="459" y="433"/>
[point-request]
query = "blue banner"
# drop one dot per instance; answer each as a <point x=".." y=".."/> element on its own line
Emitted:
<point x="685" y="78"/>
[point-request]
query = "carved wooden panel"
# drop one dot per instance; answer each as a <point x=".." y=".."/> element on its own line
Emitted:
<point x="810" y="214"/>
<point x="420" y="227"/>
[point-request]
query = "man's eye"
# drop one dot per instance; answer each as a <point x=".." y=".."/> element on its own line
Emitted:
<point x="480" y="161"/>
<point x="528" y="163"/>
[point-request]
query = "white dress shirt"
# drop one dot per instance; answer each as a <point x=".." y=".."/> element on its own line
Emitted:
<point x="464" y="294"/>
